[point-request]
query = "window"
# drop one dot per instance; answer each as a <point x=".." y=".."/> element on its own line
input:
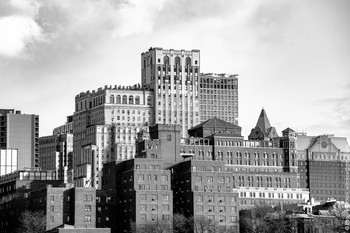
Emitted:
<point x="154" y="197"/>
<point x="52" y="208"/>
<point x="87" y="218"/>
<point x="87" y="207"/>
<point x="164" y="178"/>
<point x="111" y="99"/>
<point x="118" y="99"/>
<point x="125" y="99"/>
<point x="166" y="197"/>
<point x="168" y="137"/>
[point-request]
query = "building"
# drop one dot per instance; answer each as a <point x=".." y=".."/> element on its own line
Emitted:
<point x="218" y="97"/>
<point x="66" y="128"/>
<point x="173" y="75"/>
<point x="142" y="187"/>
<point x="14" y="188"/>
<point x="323" y="166"/>
<point x="263" y="129"/>
<point x="204" y="190"/>
<point x="56" y="153"/>
<point x="21" y="132"/>
<point x="8" y="161"/>
<point x="105" y="125"/>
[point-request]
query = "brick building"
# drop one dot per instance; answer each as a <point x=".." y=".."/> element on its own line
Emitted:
<point x="14" y="188"/>
<point x="323" y="166"/>
<point x="143" y="192"/>
<point x="71" y="207"/>
<point x="204" y="189"/>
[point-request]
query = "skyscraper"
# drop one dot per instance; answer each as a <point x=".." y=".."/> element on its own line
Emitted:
<point x="21" y="132"/>
<point x="173" y="75"/>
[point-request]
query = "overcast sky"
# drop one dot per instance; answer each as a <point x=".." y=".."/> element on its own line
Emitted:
<point x="292" y="57"/>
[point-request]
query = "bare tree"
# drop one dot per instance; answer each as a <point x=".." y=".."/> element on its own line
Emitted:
<point x="181" y="224"/>
<point x="336" y="219"/>
<point x="266" y="219"/>
<point x="204" y="225"/>
<point x="158" y="226"/>
<point x="32" y="222"/>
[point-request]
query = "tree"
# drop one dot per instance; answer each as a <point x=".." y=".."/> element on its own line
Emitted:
<point x="157" y="226"/>
<point x="204" y="225"/>
<point x="32" y="222"/>
<point x="336" y="219"/>
<point x="181" y="224"/>
<point x="264" y="218"/>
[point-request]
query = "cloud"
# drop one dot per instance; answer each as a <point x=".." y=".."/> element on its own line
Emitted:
<point x="17" y="34"/>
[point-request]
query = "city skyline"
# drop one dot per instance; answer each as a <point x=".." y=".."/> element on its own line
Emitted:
<point x="292" y="58"/>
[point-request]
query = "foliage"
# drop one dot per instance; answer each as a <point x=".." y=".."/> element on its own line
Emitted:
<point x="265" y="218"/>
<point x="181" y="224"/>
<point x="32" y="222"/>
<point x="336" y="219"/>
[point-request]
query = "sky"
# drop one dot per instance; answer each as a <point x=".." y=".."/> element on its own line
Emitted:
<point x="292" y="57"/>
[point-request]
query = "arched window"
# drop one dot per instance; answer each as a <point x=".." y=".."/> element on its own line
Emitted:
<point x="149" y="100"/>
<point x="111" y="99"/>
<point x="137" y="99"/>
<point x="188" y="61"/>
<point x="177" y="61"/>
<point x="125" y="99"/>
<point x="166" y="60"/>
<point x="118" y="99"/>
<point x="131" y="99"/>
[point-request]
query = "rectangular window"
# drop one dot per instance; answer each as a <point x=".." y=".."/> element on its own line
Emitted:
<point x="166" y="197"/>
<point x="200" y="208"/>
<point x="143" y="197"/>
<point x="154" y="197"/>
<point x="87" y="207"/>
<point x="87" y="218"/>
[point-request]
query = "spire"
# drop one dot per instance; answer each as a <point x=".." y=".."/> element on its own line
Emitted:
<point x="263" y="121"/>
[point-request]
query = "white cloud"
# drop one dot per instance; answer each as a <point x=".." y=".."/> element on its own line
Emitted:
<point x="16" y="33"/>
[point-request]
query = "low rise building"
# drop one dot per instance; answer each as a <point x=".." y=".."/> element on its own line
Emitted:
<point x="14" y="189"/>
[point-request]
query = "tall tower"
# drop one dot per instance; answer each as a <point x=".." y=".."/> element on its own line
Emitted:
<point x="173" y="75"/>
<point x="21" y="132"/>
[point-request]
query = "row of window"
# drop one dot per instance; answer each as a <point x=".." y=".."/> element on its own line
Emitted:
<point x="141" y="177"/>
<point x="118" y="99"/>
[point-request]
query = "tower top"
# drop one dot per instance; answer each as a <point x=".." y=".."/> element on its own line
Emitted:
<point x="263" y="121"/>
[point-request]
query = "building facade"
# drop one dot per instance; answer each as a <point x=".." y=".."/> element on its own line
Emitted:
<point x="14" y="189"/>
<point x="323" y="166"/>
<point x="204" y="190"/>
<point x="142" y="188"/>
<point x="218" y="97"/>
<point x="66" y="128"/>
<point x="173" y="75"/>
<point x="105" y="126"/>
<point x="21" y="132"/>
<point x="56" y="153"/>
<point x="8" y="161"/>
